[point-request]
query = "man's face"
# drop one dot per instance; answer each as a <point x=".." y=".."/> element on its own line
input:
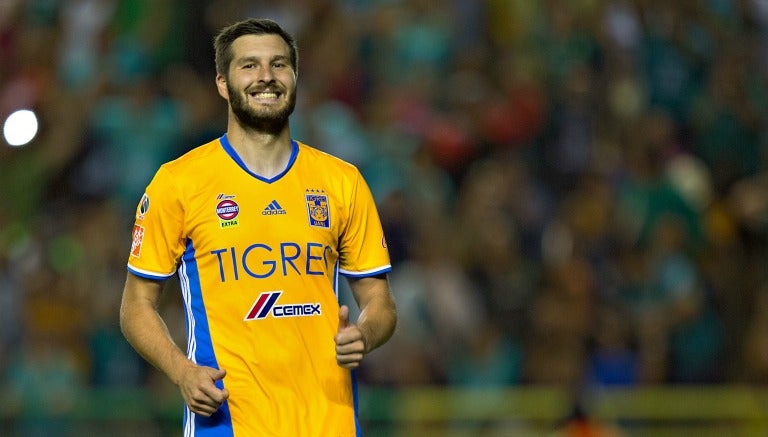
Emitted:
<point x="260" y="84"/>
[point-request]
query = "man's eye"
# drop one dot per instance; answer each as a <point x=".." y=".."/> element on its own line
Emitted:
<point x="278" y="65"/>
<point x="248" y="66"/>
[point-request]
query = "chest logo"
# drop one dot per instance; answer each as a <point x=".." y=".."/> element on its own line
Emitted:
<point x="265" y="306"/>
<point x="273" y="208"/>
<point x="227" y="210"/>
<point x="317" y="209"/>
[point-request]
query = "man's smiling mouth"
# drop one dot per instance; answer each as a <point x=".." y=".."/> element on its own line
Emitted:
<point x="265" y="95"/>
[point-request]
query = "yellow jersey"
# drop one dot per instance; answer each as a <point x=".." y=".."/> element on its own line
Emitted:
<point x="259" y="261"/>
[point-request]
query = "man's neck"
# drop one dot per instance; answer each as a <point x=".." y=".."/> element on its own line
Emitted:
<point x="264" y="154"/>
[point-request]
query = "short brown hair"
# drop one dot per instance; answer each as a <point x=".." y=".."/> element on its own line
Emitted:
<point x="252" y="26"/>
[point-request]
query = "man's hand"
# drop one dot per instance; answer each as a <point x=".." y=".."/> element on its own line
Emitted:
<point x="350" y="343"/>
<point x="198" y="388"/>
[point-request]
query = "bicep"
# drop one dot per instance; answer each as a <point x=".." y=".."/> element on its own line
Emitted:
<point x="140" y="293"/>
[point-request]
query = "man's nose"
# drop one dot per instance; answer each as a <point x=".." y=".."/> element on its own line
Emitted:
<point x="266" y="75"/>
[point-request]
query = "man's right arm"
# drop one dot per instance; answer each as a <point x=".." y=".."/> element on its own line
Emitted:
<point x="146" y="331"/>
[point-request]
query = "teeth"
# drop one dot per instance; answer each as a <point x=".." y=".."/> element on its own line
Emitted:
<point x="265" y="95"/>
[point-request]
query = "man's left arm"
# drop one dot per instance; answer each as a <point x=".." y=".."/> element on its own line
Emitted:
<point x="374" y="326"/>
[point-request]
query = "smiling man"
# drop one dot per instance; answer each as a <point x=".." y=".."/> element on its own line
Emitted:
<point x="259" y="226"/>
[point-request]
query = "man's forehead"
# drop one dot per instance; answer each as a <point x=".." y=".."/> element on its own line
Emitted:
<point x="262" y="45"/>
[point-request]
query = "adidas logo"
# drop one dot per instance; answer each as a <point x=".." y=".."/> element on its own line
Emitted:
<point x="273" y="208"/>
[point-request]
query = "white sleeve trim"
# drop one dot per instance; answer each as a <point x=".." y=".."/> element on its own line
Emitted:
<point x="366" y="273"/>
<point x="148" y="274"/>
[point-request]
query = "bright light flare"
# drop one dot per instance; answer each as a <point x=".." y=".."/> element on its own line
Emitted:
<point x="20" y="128"/>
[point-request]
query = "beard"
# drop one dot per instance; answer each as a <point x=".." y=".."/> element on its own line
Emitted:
<point x="261" y="120"/>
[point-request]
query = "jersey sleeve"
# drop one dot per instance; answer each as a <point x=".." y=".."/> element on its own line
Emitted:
<point x="158" y="240"/>
<point x="363" y="248"/>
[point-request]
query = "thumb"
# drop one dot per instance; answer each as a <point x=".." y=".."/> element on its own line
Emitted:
<point x="217" y="374"/>
<point x="343" y="317"/>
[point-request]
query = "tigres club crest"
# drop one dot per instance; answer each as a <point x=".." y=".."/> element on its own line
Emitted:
<point x="317" y="209"/>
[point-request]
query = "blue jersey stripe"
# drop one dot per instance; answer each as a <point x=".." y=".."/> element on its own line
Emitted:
<point x="200" y="349"/>
<point x="358" y="429"/>
<point x="336" y="280"/>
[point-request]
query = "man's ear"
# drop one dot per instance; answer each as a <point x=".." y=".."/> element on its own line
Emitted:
<point x="221" y="86"/>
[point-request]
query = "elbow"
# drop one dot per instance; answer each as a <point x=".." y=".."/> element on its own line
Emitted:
<point x="124" y="319"/>
<point x="393" y="319"/>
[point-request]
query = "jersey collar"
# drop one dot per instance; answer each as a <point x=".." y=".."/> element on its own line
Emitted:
<point x="233" y="154"/>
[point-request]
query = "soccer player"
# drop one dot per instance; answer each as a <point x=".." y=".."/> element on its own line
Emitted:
<point x="259" y="226"/>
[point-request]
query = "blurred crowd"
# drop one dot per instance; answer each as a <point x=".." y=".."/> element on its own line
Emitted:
<point x="573" y="192"/>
